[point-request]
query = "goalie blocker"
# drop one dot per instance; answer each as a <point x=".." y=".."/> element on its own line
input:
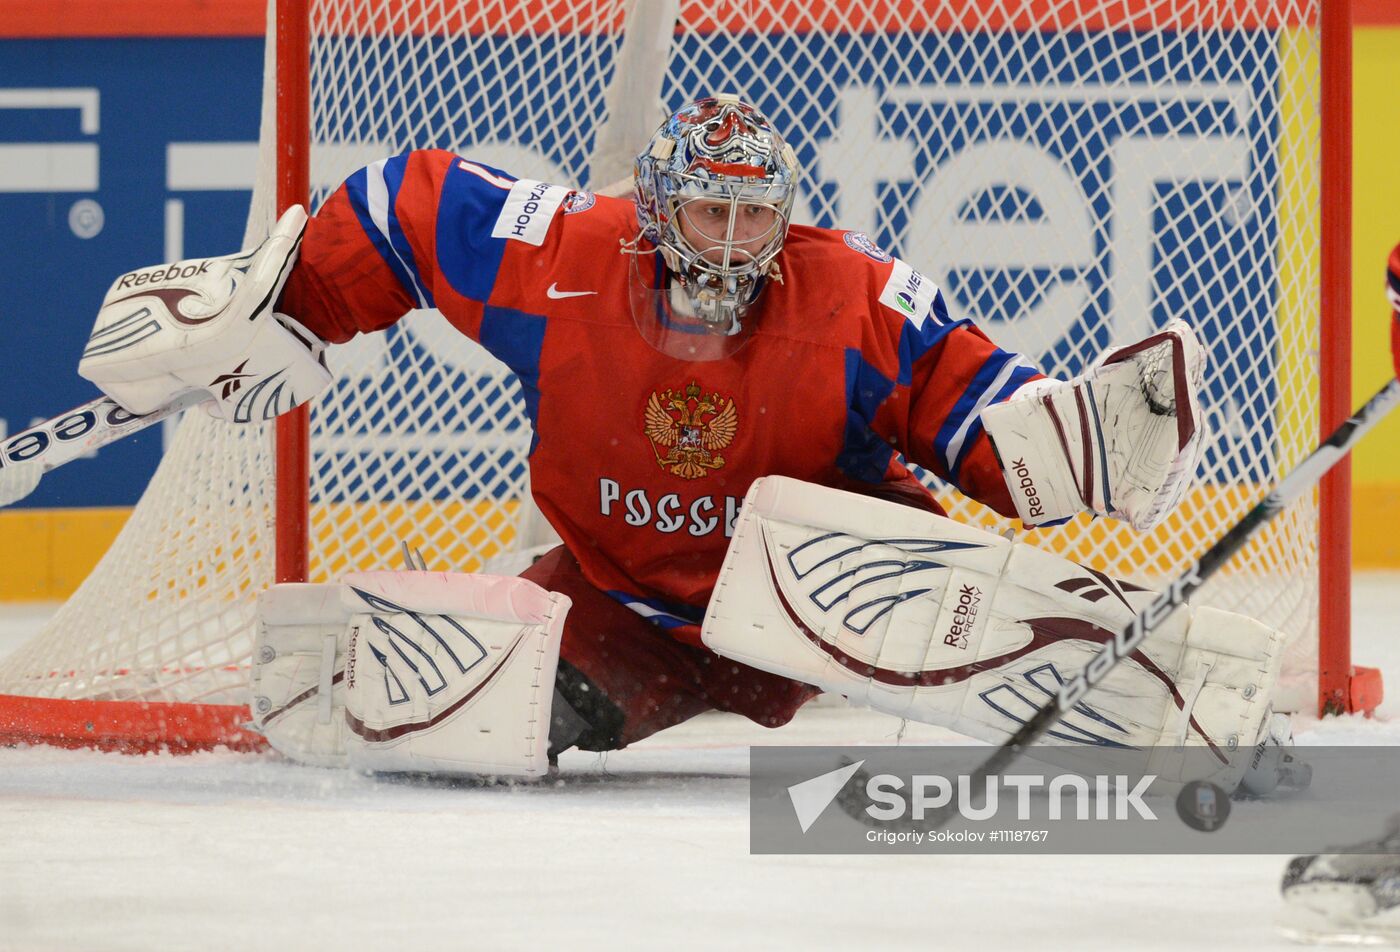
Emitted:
<point x="174" y="335"/>
<point x="921" y="617"/>
<point x="208" y="325"/>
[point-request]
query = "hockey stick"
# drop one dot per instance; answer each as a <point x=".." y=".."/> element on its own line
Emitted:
<point x="1302" y="478"/>
<point x="27" y="456"/>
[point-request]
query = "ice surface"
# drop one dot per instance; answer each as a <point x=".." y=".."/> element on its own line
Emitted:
<point x="644" y="849"/>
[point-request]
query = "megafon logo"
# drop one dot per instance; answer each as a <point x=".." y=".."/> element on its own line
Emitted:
<point x="893" y="798"/>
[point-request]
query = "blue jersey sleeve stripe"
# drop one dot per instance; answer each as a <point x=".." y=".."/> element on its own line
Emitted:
<point x="964" y="423"/>
<point x="1019" y="377"/>
<point x="392" y="172"/>
<point x="864" y="455"/>
<point x="939" y="310"/>
<point x="917" y="340"/>
<point x="469" y="258"/>
<point x="357" y="190"/>
<point x="956" y="424"/>
<point x="516" y="339"/>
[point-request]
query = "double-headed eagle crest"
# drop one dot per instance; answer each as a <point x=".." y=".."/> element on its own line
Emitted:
<point x="692" y="427"/>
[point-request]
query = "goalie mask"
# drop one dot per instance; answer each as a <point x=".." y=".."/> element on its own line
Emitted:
<point x="714" y="192"/>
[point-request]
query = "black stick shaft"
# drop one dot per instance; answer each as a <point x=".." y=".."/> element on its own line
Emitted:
<point x="1302" y="478"/>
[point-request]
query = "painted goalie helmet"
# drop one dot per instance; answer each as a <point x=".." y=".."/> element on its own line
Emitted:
<point x="714" y="190"/>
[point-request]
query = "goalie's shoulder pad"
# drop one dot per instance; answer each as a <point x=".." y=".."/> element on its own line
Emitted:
<point x="208" y="324"/>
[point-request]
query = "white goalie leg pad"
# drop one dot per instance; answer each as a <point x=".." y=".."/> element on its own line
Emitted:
<point x="451" y="673"/>
<point x="298" y="672"/>
<point x="410" y="671"/>
<point x="919" y="616"/>
<point x="1122" y="440"/>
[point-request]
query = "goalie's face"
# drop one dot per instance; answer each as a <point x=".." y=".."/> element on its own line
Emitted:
<point x="730" y="233"/>
<point x="715" y="191"/>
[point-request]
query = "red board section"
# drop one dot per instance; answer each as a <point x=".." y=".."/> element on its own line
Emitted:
<point x="113" y="18"/>
<point x="1375" y="13"/>
<point x="529" y="17"/>
<point x="36" y="19"/>
<point x="132" y="727"/>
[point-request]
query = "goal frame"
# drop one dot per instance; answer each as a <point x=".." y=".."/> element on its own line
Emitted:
<point x="1341" y="687"/>
<point x="141" y="725"/>
<point x="1336" y="692"/>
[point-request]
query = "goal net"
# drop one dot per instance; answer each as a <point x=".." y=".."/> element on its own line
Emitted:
<point x="1072" y="174"/>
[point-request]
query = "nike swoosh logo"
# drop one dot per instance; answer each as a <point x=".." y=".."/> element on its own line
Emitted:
<point x="555" y="294"/>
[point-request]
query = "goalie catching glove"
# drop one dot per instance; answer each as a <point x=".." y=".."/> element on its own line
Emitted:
<point x="1122" y="440"/>
<point x="427" y="672"/>
<point x="209" y="325"/>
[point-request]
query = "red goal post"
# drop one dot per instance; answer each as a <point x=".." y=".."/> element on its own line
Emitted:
<point x="1070" y="172"/>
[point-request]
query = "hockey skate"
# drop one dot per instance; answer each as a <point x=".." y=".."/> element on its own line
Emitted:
<point x="1345" y="898"/>
<point x="1275" y="770"/>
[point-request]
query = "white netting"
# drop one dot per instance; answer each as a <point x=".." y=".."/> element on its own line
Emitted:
<point x="1070" y="178"/>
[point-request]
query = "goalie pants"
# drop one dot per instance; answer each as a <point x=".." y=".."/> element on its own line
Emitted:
<point x="626" y="679"/>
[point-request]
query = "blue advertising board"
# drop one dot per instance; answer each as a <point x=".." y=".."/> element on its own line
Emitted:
<point x="1083" y="192"/>
<point x="1068" y="190"/>
<point x="114" y="153"/>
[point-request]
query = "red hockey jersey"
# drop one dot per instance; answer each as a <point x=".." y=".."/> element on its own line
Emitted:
<point x="640" y="460"/>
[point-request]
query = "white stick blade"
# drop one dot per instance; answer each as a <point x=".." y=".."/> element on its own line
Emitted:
<point x="18" y="480"/>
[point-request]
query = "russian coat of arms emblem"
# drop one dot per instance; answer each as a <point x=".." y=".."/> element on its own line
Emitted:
<point x="687" y="429"/>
